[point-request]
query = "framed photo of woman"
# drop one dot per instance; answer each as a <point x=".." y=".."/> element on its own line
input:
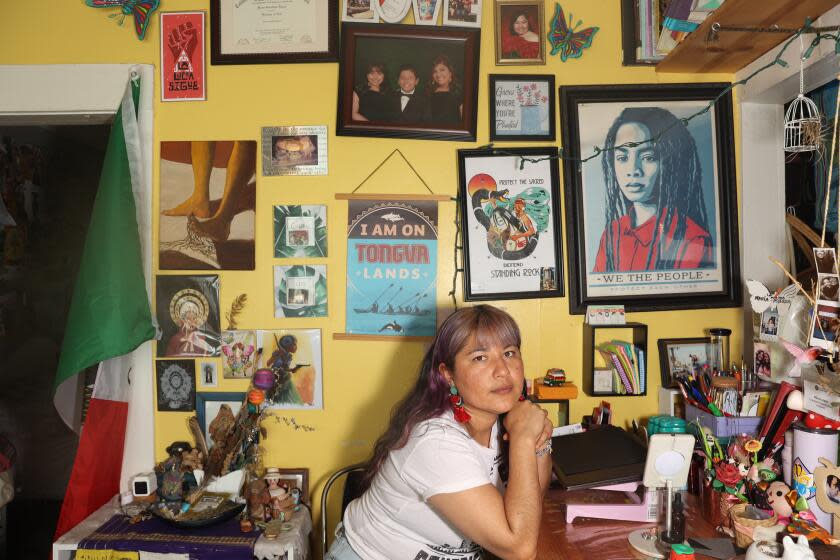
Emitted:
<point x="408" y="81"/>
<point x="650" y="196"/>
<point x="520" y="35"/>
<point x="510" y="223"/>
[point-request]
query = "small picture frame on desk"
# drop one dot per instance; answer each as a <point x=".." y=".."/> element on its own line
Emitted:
<point x="602" y="381"/>
<point x="296" y="478"/>
<point x="680" y="356"/>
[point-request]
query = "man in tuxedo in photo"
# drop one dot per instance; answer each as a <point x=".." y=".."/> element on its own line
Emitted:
<point x="412" y="106"/>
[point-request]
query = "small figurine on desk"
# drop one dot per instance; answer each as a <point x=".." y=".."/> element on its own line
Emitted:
<point x="554" y="377"/>
<point x="175" y="477"/>
<point x="283" y="502"/>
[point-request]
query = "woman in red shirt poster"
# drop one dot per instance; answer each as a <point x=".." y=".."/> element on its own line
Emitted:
<point x="655" y="213"/>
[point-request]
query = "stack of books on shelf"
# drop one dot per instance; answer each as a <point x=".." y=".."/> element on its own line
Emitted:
<point x="628" y="364"/>
<point x="681" y="18"/>
<point x="662" y="24"/>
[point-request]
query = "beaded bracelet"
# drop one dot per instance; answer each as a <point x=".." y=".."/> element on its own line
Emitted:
<point x="545" y="449"/>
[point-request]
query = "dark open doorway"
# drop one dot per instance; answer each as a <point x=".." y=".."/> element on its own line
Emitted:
<point x="48" y="181"/>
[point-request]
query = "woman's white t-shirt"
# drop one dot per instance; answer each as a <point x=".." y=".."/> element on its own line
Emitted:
<point x="393" y="520"/>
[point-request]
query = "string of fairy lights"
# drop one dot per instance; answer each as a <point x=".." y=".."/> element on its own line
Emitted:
<point x="820" y="34"/>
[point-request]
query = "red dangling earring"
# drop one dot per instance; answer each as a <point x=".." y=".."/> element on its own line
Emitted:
<point x="461" y="414"/>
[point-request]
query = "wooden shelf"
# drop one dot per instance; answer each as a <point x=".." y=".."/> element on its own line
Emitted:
<point x="735" y="49"/>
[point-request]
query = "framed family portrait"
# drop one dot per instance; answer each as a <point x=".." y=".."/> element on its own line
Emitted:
<point x="408" y="81"/>
<point x="273" y="32"/>
<point x="462" y="13"/>
<point x="522" y="107"/>
<point x="519" y="33"/>
<point x="510" y="223"/>
<point x="650" y="196"/>
<point x="680" y="356"/>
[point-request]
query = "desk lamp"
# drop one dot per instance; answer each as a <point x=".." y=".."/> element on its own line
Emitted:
<point x="667" y="464"/>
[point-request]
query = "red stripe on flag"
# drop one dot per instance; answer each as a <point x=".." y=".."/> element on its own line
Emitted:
<point x="96" y="471"/>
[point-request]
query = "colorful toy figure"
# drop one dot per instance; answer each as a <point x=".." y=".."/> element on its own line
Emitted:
<point x="554" y="377"/>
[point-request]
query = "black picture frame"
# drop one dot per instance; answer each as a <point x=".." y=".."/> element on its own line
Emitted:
<point x="702" y="270"/>
<point x="670" y="365"/>
<point x="175" y="385"/>
<point x="201" y="407"/>
<point x="497" y="266"/>
<point x="512" y="102"/>
<point x="391" y="47"/>
<point x="327" y="20"/>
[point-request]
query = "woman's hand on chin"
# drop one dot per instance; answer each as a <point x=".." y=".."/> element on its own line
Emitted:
<point x="526" y="421"/>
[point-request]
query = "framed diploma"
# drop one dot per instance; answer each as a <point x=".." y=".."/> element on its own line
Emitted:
<point x="273" y="31"/>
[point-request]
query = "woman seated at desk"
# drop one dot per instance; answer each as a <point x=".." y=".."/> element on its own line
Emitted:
<point x="432" y="488"/>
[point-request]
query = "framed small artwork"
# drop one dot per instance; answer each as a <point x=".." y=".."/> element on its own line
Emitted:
<point x="462" y="13"/>
<point x="522" y="107"/>
<point x="761" y="359"/>
<point x="602" y="381"/>
<point x="679" y="357"/>
<point x="239" y="354"/>
<point x="520" y="32"/>
<point x="194" y="233"/>
<point x="392" y="11"/>
<point x="175" y="385"/>
<point x="362" y="11"/>
<point x="294" y="150"/>
<point x="188" y="315"/>
<point x="426" y="11"/>
<point x="296" y="479"/>
<point x="208" y="374"/>
<point x="300" y="291"/>
<point x="208" y="405"/>
<point x="182" y="56"/>
<point x="300" y="231"/>
<point x="650" y="196"/>
<point x="273" y="33"/>
<point x="510" y="225"/>
<point x="296" y="353"/>
<point x="408" y="81"/>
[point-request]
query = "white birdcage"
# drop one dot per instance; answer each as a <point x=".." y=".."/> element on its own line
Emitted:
<point x="802" y="125"/>
<point x="802" y="118"/>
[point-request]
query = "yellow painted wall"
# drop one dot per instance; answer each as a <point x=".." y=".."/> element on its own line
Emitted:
<point x="361" y="379"/>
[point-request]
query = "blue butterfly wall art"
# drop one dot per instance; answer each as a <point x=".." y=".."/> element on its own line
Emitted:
<point x="140" y="10"/>
<point x="564" y="39"/>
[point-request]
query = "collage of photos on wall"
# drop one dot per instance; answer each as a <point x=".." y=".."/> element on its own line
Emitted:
<point x="826" y="320"/>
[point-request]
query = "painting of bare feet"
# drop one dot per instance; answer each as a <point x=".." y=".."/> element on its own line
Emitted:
<point x="207" y="202"/>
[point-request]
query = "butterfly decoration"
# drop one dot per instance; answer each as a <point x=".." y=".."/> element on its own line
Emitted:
<point x="762" y="299"/>
<point x="564" y="39"/>
<point x="140" y="9"/>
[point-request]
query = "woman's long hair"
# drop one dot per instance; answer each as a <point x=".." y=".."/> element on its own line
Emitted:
<point x="678" y="189"/>
<point x="384" y="88"/>
<point x="443" y="59"/>
<point x="430" y="395"/>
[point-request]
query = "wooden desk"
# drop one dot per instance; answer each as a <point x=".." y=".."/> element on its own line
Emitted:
<point x="600" y="538"/>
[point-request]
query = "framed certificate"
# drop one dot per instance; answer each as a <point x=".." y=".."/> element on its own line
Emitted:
<point x="273" y="32"/>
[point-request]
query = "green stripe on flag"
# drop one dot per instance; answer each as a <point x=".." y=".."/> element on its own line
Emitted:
<point x="109" y="314"/>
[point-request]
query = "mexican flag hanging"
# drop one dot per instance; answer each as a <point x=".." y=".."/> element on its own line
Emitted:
<point x="109" y="318"/>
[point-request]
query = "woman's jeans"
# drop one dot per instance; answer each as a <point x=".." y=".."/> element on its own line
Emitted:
<point x="340" y="548"/>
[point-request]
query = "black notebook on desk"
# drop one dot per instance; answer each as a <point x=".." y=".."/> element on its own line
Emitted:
<point x="598" y="457"/>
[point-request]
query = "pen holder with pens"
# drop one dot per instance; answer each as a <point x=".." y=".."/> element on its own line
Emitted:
<point x="723" y="426"/>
